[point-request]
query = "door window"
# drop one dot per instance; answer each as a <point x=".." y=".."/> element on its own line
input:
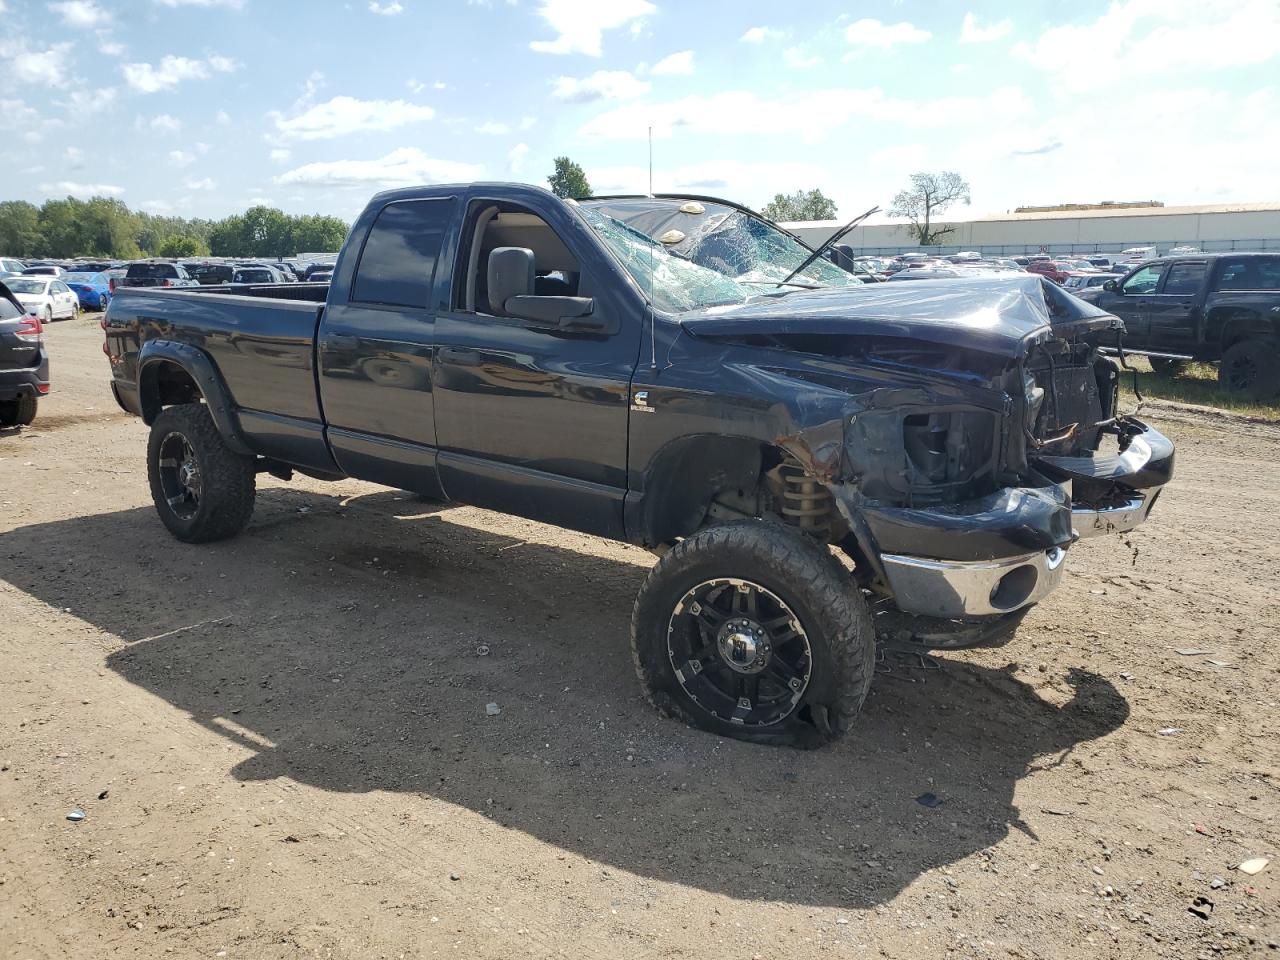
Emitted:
<point x="557" y="272"/>
<point x="398" y="264"/>
<point x="1184" y="279"/>
<point x="1144" y="281"/>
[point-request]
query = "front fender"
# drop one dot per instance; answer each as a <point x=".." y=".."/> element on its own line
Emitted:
<point x="197" y="364"/>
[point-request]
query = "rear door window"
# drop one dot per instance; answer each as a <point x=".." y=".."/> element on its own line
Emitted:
<point x="398" y="264"/>
<point x="1249" y="273"/>
<point x="152" y="271"/>
<point x="1184" y="279"/>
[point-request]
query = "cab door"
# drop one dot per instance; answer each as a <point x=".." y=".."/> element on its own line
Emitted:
<point x="1173" y="311"/>
<point x="1129" y="302"/>
<point x="531" y="417"/>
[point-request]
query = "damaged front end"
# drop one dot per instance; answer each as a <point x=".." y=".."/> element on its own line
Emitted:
<point x="963" y="481"/>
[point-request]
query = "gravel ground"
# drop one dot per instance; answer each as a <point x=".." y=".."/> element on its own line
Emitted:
<point x="281" y="747"/>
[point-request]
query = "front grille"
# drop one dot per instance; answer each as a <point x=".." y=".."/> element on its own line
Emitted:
<point x="1071" y="398"/>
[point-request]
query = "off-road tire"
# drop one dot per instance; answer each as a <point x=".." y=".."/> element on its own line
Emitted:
<point x="801" y="572"/>
<point x="1167" y="367"/>
<point x="18" y="413"/>
<point x="228" y="479"/>
<point x="1251" y="369"/>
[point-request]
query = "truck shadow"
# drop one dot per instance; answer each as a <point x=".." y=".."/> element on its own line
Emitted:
<point x="353" y="646"/>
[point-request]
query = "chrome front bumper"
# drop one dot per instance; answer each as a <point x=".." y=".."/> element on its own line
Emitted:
<point x="953" y="588"/>
<point x="1088" y="522"/>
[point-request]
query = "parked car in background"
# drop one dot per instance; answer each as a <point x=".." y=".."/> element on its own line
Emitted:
<point x="321" y="276"/>
<point x="1085" y="281"/>
<point x="1223" y="307"/>
<point x="1055" y="270"/>
<point x="93" y="266"/>
<point x="209" y="273"/>
<point x="115" y="275"/>
<point x="10" y="267"/>
<point x="46" y="297"/>
<point x="43" y="270"/>
<point x="155" y="273"/>
<point x="258" y="274"/>
<point x="24" y="361"/>
<point x="93" y="289"/>
<point x="928" y="273"/>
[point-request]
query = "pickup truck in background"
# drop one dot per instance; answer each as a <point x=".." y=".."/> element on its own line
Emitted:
<point x="678" y="373"/>
<point x="1214" y="307"/>
<point x="155" y="273"/>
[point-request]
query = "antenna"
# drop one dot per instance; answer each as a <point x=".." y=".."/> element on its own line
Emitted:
<point x="651" y="161"/>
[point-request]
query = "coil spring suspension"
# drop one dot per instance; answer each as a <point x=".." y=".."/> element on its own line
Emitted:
<point x="805" y="502"/>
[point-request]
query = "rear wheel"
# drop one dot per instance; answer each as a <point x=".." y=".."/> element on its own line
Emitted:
<point x="48" y="315"/>
<point x="17" y="413"/>
<point x="75" y="310"/>
<point x="102" y="301"/>
<point x="202" y="489"/>
<point x="1251" y="368"/>
<point x="753" y="630"/>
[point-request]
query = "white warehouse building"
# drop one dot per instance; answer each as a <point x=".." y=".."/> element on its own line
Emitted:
<point x="1232" y="226"/>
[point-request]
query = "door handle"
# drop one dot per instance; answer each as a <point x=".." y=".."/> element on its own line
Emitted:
<point x="460" y="356"/>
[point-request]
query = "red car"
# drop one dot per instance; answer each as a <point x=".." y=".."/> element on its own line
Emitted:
<point x="1055" y="270"/>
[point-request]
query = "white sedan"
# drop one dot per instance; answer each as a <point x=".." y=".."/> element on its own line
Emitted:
<point x="45" y="297"/>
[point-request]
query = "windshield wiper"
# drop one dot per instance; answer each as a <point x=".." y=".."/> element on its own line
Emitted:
<point x="782" y="283"/>
<point x="826" y="244"/>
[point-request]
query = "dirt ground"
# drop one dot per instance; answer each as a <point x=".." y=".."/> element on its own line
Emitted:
<point x="281" y="746"/>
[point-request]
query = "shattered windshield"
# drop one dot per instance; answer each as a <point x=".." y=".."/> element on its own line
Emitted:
<point x="686" y="241"/>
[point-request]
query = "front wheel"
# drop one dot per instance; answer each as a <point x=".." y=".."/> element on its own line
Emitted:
<point x="75" y="310"/>
<point x="202" y="489"/>
<point x="753" y="630"/>
<point x="18" y="413"/>
<point x="102" y="301"/>
<point x="1251" y="368"/>
<point x="48" y="315"/>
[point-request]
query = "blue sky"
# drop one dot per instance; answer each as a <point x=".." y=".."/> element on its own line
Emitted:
<point x="202" y="107"/>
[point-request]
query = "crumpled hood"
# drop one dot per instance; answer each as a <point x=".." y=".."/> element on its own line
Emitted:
<point x="994" y="314"/>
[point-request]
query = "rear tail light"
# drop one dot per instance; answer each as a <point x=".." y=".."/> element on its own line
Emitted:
<point x="111" y="284"/>
<point x="30" y="329"/>
<point x="167" y="283"/>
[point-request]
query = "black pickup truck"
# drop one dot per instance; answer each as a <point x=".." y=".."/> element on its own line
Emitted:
<point x="1215" y="307"/>
<point x="681" y="374"/>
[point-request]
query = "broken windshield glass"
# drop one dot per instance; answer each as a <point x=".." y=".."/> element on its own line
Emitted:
<point x="753" y="255"/>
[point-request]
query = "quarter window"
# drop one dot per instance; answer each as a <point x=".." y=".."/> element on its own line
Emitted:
<point x="1250" y="273"/>
<point x="398" y="264"/>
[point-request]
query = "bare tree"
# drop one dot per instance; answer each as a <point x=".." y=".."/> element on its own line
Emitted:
<point x="930" y="194"/>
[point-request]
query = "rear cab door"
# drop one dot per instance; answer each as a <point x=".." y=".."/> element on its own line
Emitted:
<point x="377" y="338"/>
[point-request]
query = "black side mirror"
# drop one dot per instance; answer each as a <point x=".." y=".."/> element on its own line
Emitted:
<point x="511" y="284"/>
<point x="560" y="313"/>
<point x="1111" y="286"/>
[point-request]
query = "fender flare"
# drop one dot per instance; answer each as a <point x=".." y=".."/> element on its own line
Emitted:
<point x="198" y="365"/>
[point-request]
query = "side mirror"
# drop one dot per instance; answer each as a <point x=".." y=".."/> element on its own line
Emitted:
<point x="1111" y="286"/>
<point x="511" y="285"/>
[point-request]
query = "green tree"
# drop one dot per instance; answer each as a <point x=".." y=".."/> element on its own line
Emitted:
<point x="800" y="206"/>
<point x="314" y="233"/>
<point x="182" y="245"/>
<point x="20" y="229"/>
<point x="929" y="195"/>
<point x="569" y="179"/>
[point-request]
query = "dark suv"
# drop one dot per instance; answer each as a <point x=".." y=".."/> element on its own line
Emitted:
<point x="24" y="362"/>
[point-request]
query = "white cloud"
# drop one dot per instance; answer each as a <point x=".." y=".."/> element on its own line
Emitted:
<point x="156" y="206"/>
<point x="280" y="155"/>
<point x="874" y="33"/>
<point x="181" y="158"/>
<point x="172" y="71"/>
<point x="345" y="115"/>
<point x="581" y="23"/>
<point x="74" y="189"/>
<point x="601" y="85"/>
<point x="111" y="48"/>
<point x="222" y="117"/>
<point x="75" y="157"/>
<point x="759" y="35"/>
<point x="233" y="4"/>
<point x="101" y="99"/>
<point x="48" y="68"/>
<point x="741" y="180"/>
<point x="204" y="184"/>
<point x="386" y="9"/>
<point x="971" y="32"/>
<point x="415" y="86"/>
<point x="403" y="167"/>
<point x="493" y="129"/>
<point x="81" y="13"/>
<point x="516" y="157"/>
<point x="797" y="59"/>
<point x="1139" y="39"/>
<point x="166" y="123"/>
<point x="811" y="115"/>
<point x="528" y="123"/>
<point x="674" y="64"/>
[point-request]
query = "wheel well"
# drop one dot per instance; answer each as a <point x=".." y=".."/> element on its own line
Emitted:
<point x="164" y="383"/>
<point x="1238" y="325"/>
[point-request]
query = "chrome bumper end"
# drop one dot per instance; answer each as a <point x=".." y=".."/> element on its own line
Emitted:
<point x="1122" y="518"/>
<point x="950" y="588"/>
